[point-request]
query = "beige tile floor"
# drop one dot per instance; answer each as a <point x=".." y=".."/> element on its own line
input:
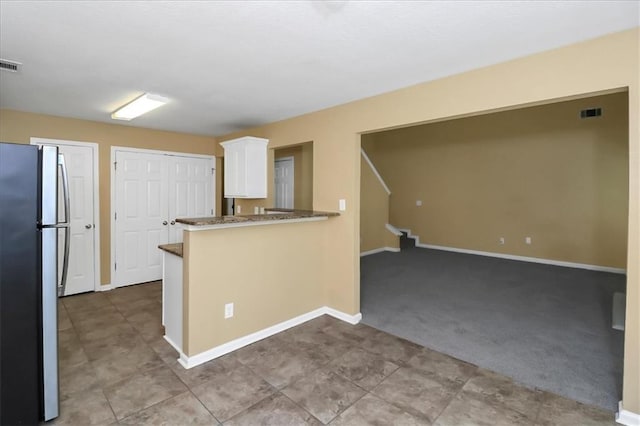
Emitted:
<point x="115" y="368"/>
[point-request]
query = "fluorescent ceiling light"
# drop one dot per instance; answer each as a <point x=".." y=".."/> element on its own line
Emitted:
<point x="138" y="106"/>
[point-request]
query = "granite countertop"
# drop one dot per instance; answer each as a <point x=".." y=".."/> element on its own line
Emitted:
<point x="172" y="248"/>
<point x="269" y="216"/>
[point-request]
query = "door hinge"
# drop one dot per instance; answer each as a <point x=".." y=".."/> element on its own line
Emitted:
<point x="115" y="216"/>
<point x="213" y="171"/>
<point x="115" y="266"/>
<point x="115" y="165"/>
<point x="211" y="211"/>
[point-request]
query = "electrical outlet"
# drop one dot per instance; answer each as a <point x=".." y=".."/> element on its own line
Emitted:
<point x="527" y="240"/>
<point x="501" y="241"/>
<point x="418" y="203"/>
<point x="228" y="310"/>
<point x="256" y="210"/>
<point x="238" y="209"/>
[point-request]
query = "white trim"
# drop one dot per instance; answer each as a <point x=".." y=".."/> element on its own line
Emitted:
<point x="96" y="197"/>
<point x="225" y="348"/>
<point x="393" y="230"/>
<point x="627" y="418"/>
<point x="351" y="319"/>
<point x="112" y="195"/>
<point x="526" y="259"/>
<point x="173" y="344"/>
<point x="515" y="257"/>
<point x="106" y="287"/>
<point x="163" y="152"/>
<point x="379" y="250"/>
<point x="375" y="171"/>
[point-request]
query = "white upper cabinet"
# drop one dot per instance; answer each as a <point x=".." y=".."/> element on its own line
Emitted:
<point x="245" y="167"/>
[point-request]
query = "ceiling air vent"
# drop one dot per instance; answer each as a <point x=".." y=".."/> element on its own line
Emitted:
<point x="591" y="112"/>
<point x="7" y="65"/>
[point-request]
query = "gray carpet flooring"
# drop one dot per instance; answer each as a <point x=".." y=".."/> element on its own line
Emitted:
<point x="544" y="326"/>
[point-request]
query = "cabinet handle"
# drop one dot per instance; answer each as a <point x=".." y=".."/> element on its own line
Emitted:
<point x="173" y="222"/>
<point x="88" y="226"/>
<point x="164" y="222"/>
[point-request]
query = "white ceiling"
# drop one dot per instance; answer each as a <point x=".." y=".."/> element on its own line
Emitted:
<point x="230" y="65"/>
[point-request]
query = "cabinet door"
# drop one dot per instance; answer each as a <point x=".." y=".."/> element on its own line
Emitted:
<point x="235" y="172"/>
<point x="191" y="187"/>
<point x="256" y="170"/>
<point x="245" y="168"/>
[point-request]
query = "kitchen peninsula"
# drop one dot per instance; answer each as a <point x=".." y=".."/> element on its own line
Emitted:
<point x="239" y="279"/>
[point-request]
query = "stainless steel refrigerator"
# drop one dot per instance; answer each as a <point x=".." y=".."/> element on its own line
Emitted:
<point x="31" y="278"/>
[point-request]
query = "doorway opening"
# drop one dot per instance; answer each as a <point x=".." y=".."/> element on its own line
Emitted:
<point x="519" y="223"/>
<point x="293" y="176"/>
<point x="284" y="182"/>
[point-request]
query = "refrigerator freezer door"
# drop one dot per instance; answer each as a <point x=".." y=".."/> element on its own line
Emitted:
<point x="49" y="170"/>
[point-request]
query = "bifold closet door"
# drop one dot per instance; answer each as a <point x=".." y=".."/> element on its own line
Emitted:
<point x="191" y="187"/>
<point x="141" y="197"/>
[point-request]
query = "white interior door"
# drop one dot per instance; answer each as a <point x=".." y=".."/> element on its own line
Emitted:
<point x="284" y="182"/>
<point x="141" y="216"/>
<point x="81" y="276"/>
<point x="191" y="187"/>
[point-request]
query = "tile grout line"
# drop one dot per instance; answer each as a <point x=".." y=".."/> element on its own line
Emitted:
<point x="456" y="395"/>
<point x="104" y="395"/>
<point x="203" y="404"/>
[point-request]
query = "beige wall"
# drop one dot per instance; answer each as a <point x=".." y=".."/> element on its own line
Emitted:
<point x="19" y="127"/>
<point x="271" y="273"/>
<point x="539" y="172"/>
<point x="595" y="66"/>
<point x="303" y="173"/>
<point x="374" y="212"/>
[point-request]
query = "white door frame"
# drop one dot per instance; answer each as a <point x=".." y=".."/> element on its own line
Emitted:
<point x="114" y="150"/>
<point x="97" y="286"/>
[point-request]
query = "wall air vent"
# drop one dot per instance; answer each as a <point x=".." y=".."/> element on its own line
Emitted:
<point x="11" y="66"/>
<point x="591" y="112"/>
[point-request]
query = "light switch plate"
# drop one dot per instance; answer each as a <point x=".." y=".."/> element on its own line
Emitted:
<point x="342" y="205"/>
<point x="228" y="310"/>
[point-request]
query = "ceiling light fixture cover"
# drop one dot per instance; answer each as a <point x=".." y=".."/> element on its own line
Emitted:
<point x="140" y="105"/>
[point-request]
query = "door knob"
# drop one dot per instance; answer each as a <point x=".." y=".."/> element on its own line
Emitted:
<point x="88" y="226"/>
<point x="164" y="222"/>
<point x="173" y="222"/>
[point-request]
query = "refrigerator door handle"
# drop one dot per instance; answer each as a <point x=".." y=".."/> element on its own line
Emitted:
<point x="64" y="224"/>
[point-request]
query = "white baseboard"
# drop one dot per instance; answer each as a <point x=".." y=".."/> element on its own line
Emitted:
<point x="515" y="257"/>
<point x="351" y="319"/>
<point x="627" y="418"/>
<point x="379" y="250"/>
<point x="105" y="287"/>
<point x="218" y="351"/>
<point x="527" y="259"/>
